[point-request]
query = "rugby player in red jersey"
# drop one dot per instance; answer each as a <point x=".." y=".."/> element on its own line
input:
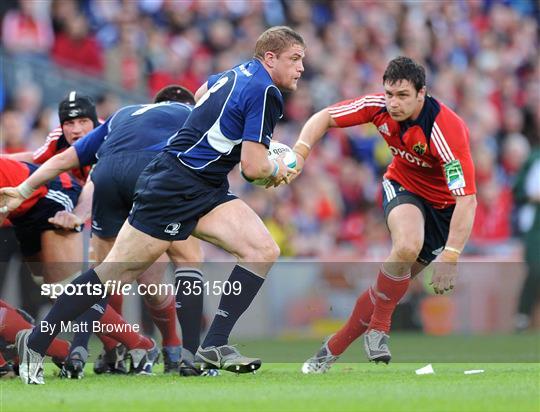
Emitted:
<point x="429" y="198"/>
<point x="77" y="114"/>
<point x="49" y="252"/>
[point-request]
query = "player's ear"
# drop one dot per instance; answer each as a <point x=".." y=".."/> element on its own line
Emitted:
<point x="422" y="93"/>
<point x="270" y="59"/>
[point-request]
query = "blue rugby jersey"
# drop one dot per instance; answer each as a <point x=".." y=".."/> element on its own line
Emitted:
<point x="137" y="128"/>
<point x="240" y="104"/>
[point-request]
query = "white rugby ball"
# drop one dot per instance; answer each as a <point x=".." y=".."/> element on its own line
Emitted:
<point x="275" y="150"/>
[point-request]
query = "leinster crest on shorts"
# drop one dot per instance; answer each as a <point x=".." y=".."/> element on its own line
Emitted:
<point x="420" y="148"/>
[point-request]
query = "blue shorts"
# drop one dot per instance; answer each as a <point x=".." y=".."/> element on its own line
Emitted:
<point x="114" y="180"/>
<point x="30" y="226"/>
<point x="437" y="221"/>
<point x="170" y="199"/>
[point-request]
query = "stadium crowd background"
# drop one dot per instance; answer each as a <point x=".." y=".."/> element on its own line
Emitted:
<point x="482" y="59"/>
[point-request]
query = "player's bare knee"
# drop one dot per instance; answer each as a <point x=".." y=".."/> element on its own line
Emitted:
<point x="269" y="252"/>
<point x="407" y="252"/>
<point x="265" y="252"/>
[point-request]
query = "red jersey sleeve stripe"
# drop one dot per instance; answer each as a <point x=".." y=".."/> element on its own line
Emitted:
<point x="39" y="152"/>
<point x="356" y="103"/>
<point x="344" y="110"/>
<point x="54" y="135"/>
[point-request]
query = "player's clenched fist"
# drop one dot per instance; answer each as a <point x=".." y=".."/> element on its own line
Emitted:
<point x="66" y="220"/>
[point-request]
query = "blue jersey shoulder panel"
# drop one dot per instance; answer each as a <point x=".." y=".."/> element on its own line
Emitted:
<point x="240" y="104"/>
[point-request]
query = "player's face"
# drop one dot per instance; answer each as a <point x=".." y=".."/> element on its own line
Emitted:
<point x="403" y="102"/>
<point x="288" y="68"/>
<point x="74" y="129"/>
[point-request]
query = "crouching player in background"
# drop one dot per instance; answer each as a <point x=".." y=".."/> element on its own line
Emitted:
<point x="55" y="254"/>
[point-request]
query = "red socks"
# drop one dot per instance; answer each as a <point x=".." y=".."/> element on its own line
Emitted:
<point x="59" y="348"/>
<point x="389" y="290"/>
<point x="164" y="317"/>
<point x="116" y="301"/>
<point x="123" y="333"/>
<point x="12" y="322"/>
<point x="373" y="310"/>
<point x="108" y="343"/>
<point x="356" y="324"/>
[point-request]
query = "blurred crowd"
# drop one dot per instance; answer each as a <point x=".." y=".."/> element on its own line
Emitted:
<point x="481" y="56"/>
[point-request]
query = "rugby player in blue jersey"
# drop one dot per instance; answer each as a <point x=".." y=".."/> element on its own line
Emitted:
<point x="184" y="191"/>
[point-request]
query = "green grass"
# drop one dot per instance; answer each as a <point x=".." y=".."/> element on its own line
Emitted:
<point x="280" y="386"/>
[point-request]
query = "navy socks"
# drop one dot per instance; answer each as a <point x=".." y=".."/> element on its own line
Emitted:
<point x="232" y="306"/>
<point x="189" y="306"/>
<point x="66" y="308"/>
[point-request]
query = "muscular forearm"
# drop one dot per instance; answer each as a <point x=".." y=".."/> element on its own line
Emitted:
<point x="254" y="161"/>
<point x="20" y="157"/>
<point x="313" y="131"/>
<point x="53" y="167"/>
<point x="462" y="222"/>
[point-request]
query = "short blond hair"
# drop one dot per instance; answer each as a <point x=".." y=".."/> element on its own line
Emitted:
<point x="276" y="40"/>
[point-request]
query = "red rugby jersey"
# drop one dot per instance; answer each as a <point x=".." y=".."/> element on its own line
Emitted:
<point x="431" y="154"/>
<point x="13" y="173"/>
<point x="56" y="143"/>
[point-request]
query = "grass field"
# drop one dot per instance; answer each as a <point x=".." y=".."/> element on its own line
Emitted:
<point x="506" y="385"/>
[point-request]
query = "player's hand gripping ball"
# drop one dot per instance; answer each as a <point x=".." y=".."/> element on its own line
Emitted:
<point x="275" y="151"/>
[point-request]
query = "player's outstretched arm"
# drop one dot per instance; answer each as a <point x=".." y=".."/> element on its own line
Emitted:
<point x="20" y="157"/>
<point x="445" y="273"/>
<point x="313" y="131"/>
<point x="12" y="197"/>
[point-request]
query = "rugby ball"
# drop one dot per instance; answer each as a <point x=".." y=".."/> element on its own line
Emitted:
<point x="275" y="150"/>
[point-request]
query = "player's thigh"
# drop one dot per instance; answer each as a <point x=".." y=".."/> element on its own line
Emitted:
<point x="151" y="282"/>
<point x="237" y="229"/>
<point x="186" y="252"/>
<point x="61" y="254"/>
<point x="406" y="224"/>
<point x="132" y="253"/>
<point x="101" y="246"/>
<point x="155" y="274"/>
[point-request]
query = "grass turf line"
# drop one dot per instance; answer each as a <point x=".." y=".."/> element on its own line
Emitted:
<point x="347" y="387"/>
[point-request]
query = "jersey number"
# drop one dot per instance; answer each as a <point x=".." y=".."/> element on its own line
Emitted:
<point x="147" y="107"/>
<point x="218" y="85"/>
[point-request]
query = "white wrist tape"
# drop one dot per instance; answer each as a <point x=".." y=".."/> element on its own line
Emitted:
<point x="304" y="143"/>
<point x="25" y="190"/>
